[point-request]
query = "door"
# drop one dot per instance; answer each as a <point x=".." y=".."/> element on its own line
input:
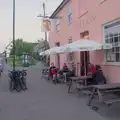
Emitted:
<point x="58" y="61"/>
<point x="84" y="56"/>
<point x="84" y="62"/>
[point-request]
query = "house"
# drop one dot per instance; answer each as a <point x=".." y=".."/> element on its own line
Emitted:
<point x="89" y="19"/>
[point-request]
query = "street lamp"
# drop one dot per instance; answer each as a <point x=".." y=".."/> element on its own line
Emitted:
<point x="13" y="34"/>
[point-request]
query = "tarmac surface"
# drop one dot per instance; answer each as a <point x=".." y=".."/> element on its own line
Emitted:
<point x="42" y="101"/>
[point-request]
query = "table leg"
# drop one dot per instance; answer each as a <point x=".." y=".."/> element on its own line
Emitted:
<point x="100" y="95"/>
<point x="91" y="96"/>
<point x="64" y="77"/>
<point x="70" y="85"/>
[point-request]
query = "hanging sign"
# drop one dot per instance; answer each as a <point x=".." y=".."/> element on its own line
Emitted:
<point x="45" y="25"/>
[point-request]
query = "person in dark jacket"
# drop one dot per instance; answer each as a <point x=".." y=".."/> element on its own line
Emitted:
<point x="65" y="68"/>
<point x="98" y="76"/>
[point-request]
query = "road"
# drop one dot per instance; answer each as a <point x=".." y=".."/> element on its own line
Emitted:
<point x="42" y="101"/>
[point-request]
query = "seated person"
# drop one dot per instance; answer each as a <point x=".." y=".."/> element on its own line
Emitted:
<point x="91" y="69"/>
<point x="65" y="68"/>
<point x="54" y="73"/>
<point x="70" y="74"/>
<point x="98" y="76"/>
<point x="89" y="74"/>
<point x="50" y="69"/>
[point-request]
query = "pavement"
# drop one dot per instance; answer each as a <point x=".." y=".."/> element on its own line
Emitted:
<point x="42" y="101"/>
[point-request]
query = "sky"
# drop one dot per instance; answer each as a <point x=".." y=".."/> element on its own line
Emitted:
<point x="27" y="22"/>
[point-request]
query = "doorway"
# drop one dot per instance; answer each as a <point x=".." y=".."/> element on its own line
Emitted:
<point x="84" y="62"/>
<point x="84" y="56"/>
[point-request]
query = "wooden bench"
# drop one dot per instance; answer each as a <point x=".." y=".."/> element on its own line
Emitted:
<point x="110" y="102"/>
<point x="75" y="80"/>
<point x="105" y="88"/>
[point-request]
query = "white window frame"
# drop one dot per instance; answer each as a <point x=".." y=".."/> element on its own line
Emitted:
<point x="105" y="59"/>
<point x="57" y="24"/>
<point x="102" y="1"/>
<point x="69" y="13"/>
<point x="71" y="54"/>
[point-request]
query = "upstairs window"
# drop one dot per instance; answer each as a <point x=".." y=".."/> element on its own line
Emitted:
<point x="70" y="55"/>
<point x="57" y="44"/>
<point x="69" y="14"/>
<point x="57" y="24"/>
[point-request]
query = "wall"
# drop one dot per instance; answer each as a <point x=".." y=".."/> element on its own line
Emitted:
<point x="66" y="30"/>
<point x="92" y="20"/>
<point x="88" y="15"/>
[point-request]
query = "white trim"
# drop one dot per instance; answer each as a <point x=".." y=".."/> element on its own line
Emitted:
<point x="69" y="13"/>
<point x="111" y="21"/>
<point x="102" y="1"/>
<point x="112" y="63"/>
<point x="103" y="31"/>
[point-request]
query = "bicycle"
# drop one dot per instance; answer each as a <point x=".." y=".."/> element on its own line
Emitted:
<point x="17" y="80"/>
<point x="23" y="75"/>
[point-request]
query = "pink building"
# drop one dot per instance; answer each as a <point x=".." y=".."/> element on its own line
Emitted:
<point x="93" y="19"/>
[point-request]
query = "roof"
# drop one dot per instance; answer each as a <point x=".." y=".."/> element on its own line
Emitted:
<point x="63" y="3"/>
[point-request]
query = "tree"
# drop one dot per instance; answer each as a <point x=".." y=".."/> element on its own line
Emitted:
<point x="22" y="47"/>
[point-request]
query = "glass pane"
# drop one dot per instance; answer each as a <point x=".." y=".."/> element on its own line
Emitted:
<point x="116" y="39"/>
<point x="106" y="40"/>
<point x="70" y="18"/>
<point x="119" y="38"/>
<point x="115" y="34"/>
<point x="69" y="9"/>
<point x="113" y="49"/>
<point x="57" y="27"/>
<point x="111" y="40"/>
<point x="117" y="57"/>
<point x="109" y="56"/>
<point x="117" y="49"/>
<point x="111" y="35"/>
<point x="106" y="36"/>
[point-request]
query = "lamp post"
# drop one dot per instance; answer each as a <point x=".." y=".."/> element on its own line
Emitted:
<point x="13" y="34"/>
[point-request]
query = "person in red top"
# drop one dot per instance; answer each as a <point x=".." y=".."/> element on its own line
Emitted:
<point x="53" y="72"/>
<point x="90" y="73"/>
<point x="91" y="69"/>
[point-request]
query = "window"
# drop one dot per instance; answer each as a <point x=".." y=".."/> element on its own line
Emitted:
<point x="57" y="44"/>
<point x="69" y="14"/>
<point x="112" y="36"/>
<point x="70" y="40"/>
<point x="57" y="24"/>
<point x="70" y="55"/>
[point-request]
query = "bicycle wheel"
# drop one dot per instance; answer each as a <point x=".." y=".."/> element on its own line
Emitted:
<point x="11" y="86"/>
<point x="23" y="84"/>
<point x="18" y="86"/>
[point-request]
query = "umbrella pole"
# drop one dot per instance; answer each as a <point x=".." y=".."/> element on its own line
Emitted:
<point x="80" y="64"/>
<point x="85" y="69"/>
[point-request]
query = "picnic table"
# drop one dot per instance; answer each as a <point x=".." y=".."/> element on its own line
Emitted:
<point x="106" y="88"/>
<point x="76" y="80"/>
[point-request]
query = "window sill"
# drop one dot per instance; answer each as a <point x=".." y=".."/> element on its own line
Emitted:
<point x="69" y="23"/>
<point x="70" y="62"/>
<point x="112" y="63"/>
<point x="57" y="31"/>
